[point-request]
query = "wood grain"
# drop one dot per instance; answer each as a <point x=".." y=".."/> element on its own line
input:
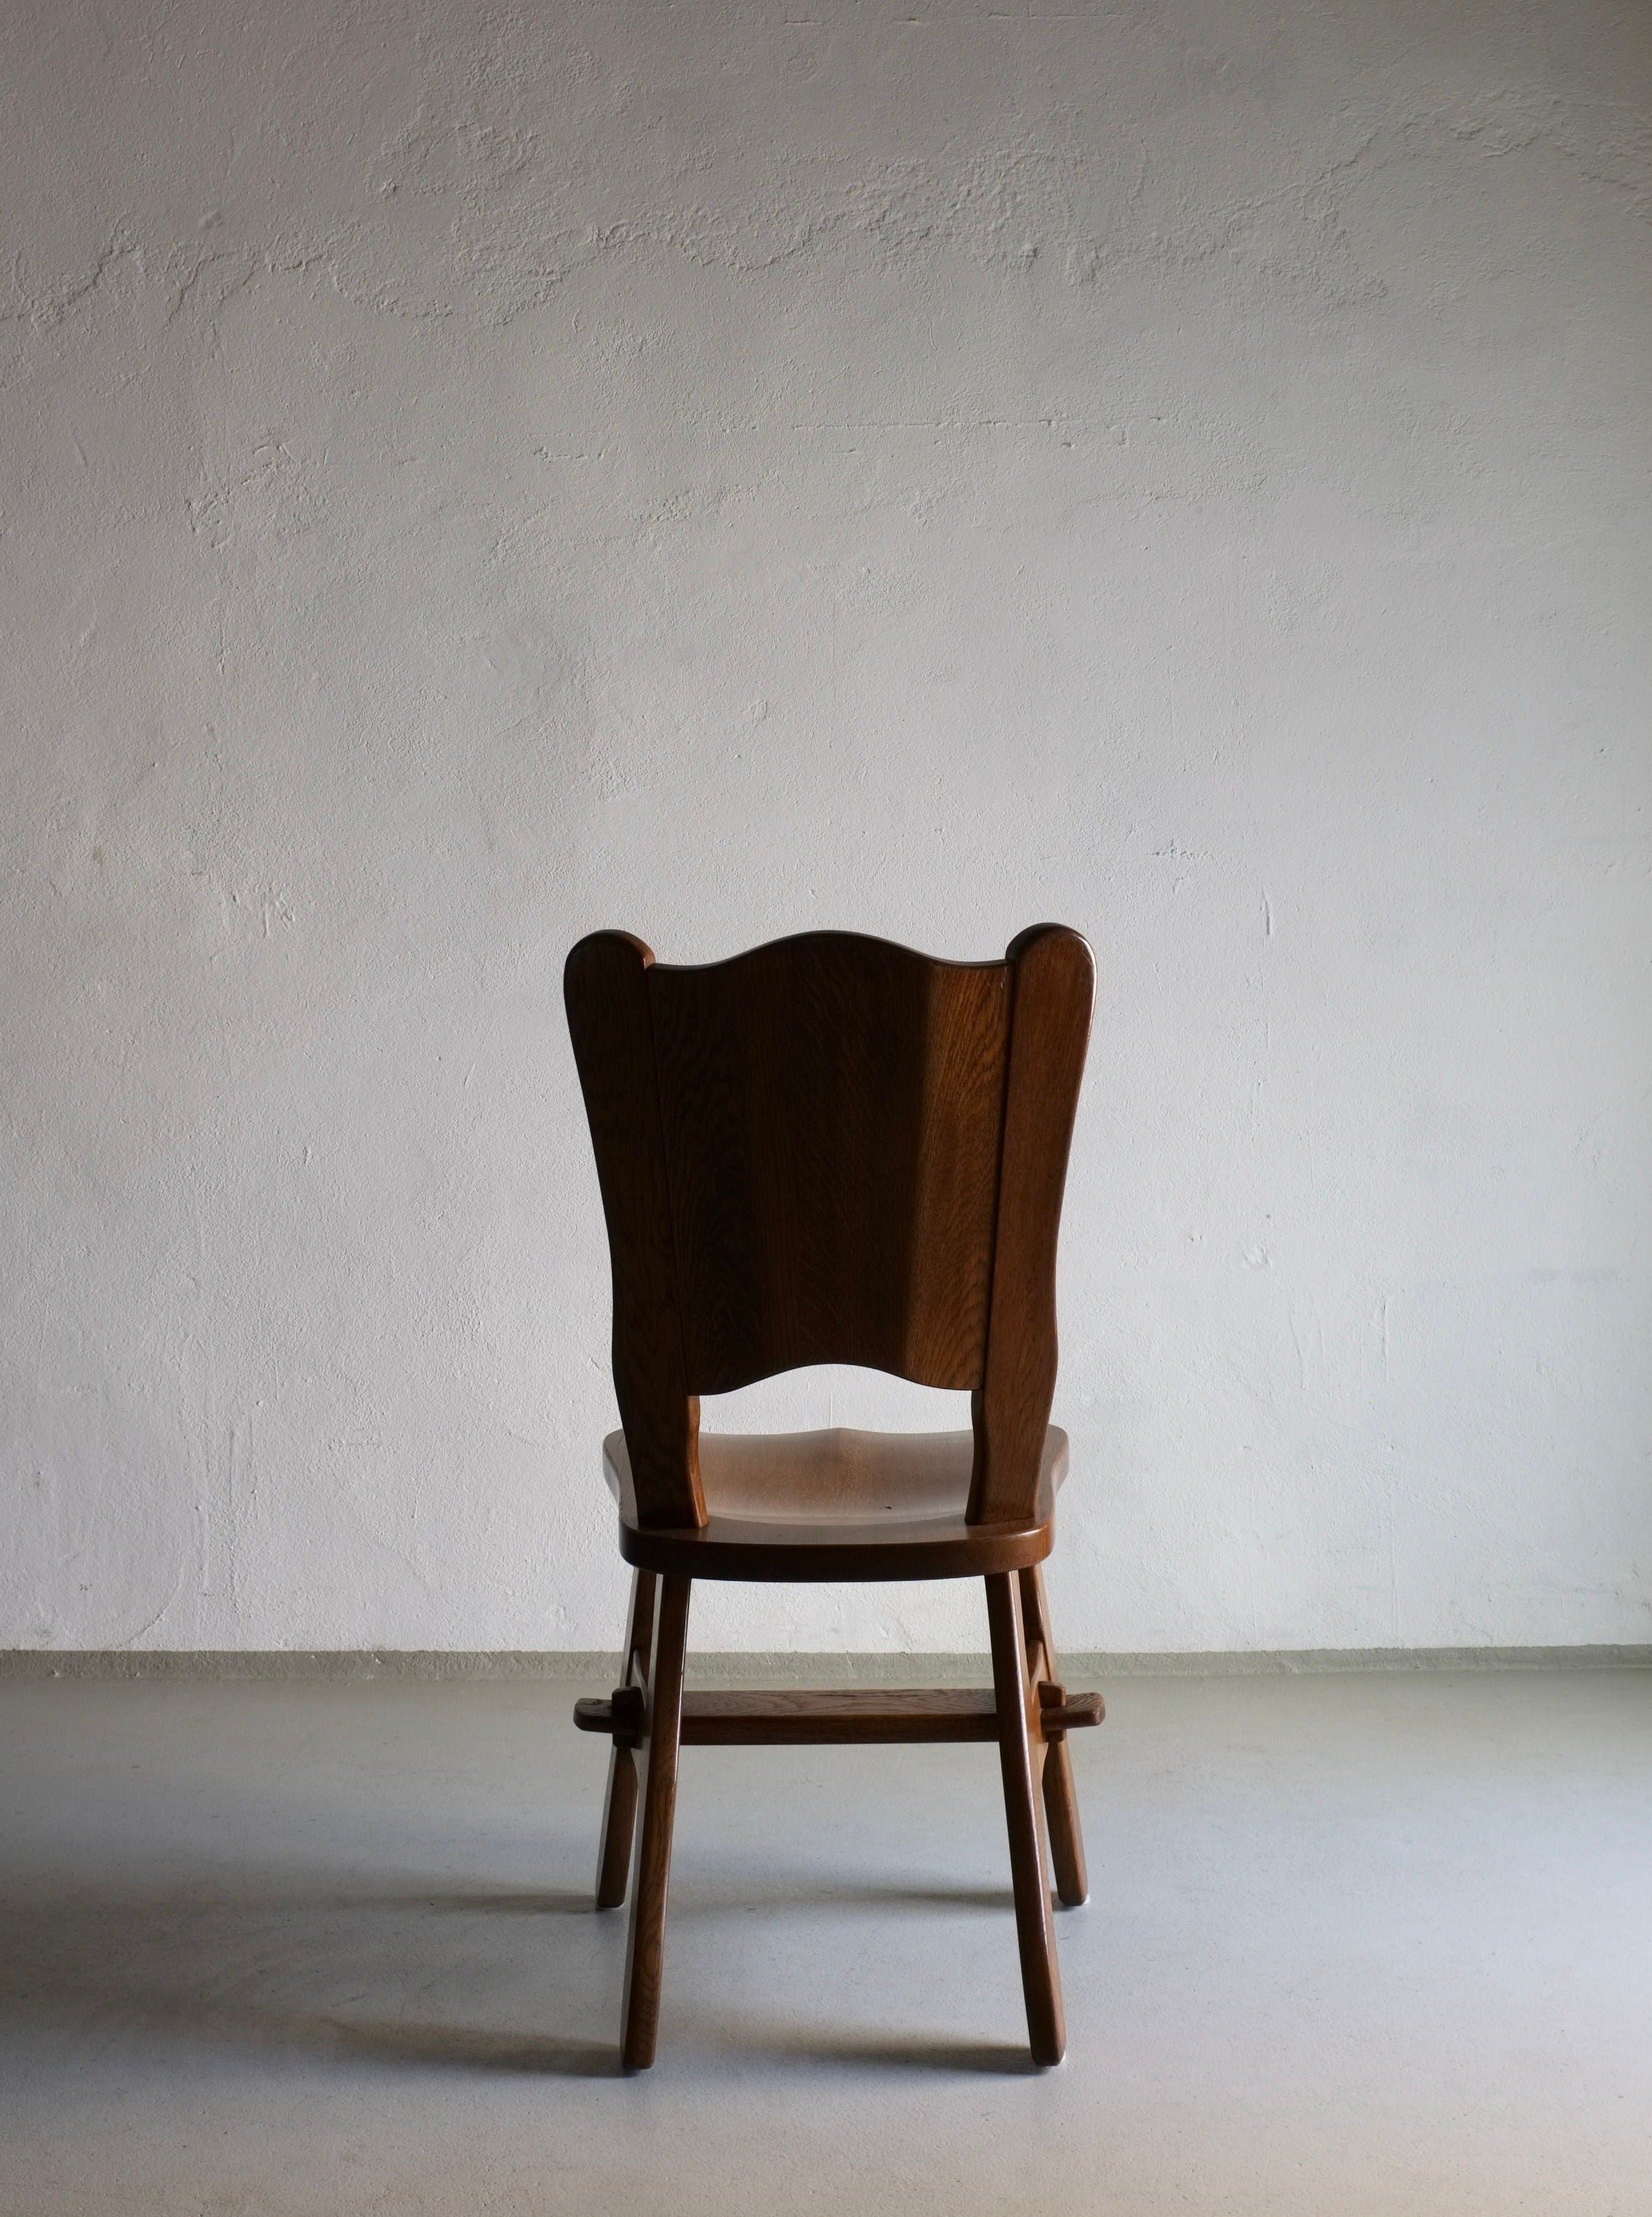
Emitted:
<point x="1018" y="1739"/>
<point x="831" y="1108"/>
<point x="841" y="1716"/>
<point x="834" y="1150"/>
<point x="1055" y="986"/>
<point x="807" y="1506"/>
<point x="619" y="1806"/>
<point x="645" y="1954"/>
<point x="1061" y="1796"/>
<point x="604" y="989"/>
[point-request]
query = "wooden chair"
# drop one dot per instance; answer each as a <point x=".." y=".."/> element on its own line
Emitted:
<point x="834" y="1150"/>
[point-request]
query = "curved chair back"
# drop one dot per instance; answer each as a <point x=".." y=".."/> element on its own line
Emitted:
<point x="831" y="1149"/>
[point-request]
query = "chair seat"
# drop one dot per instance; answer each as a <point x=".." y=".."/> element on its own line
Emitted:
<point x="881" y="1505"/>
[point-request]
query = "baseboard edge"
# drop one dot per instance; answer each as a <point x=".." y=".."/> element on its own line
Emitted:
<point x="599" y="1667"/>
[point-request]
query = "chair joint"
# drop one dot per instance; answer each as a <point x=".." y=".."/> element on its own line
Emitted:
<point x="1061" y="1713"/>
<point x="622" y="1714"/>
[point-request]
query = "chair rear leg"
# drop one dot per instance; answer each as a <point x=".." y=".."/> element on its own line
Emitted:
<point x="620" y="1809"/>
<point x="645" y="1947"/>
<point x="1061" y="1801"/>
<point x="1019" y="1749"/>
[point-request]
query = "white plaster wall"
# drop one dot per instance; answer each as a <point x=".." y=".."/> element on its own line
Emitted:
<point x="471" y="475"/>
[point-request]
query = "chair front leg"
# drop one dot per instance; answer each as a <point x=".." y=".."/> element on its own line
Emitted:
<point x="1020" y="1745"/>
<point x="646" y="1947"/>
<point x="620" y="1809"/>
<point x="1061" y="1801"/>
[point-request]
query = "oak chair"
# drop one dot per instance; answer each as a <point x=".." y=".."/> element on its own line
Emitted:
<point x="834" y="1150"/>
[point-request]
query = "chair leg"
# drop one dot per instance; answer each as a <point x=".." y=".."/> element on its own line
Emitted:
<point x="1019" y="1749"/>
<point x="645" y="1947"/>
<point x="1061" y="1802"/>
<point x="620" y="1809"/>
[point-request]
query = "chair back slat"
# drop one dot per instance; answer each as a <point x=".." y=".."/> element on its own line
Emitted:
<point x="831" y="1107"/>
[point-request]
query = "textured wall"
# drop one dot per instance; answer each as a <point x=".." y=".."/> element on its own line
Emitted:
<point x="467" y="476"/>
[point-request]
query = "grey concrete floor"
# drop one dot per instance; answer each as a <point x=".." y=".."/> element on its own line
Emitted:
<point x="1355" y="1944"/>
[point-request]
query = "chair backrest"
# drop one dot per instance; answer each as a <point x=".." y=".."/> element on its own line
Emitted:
<point x="831" y="1149"/>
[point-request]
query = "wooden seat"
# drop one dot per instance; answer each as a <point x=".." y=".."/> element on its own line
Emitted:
<point x="838" y="1505"/>
<point x="834" y="1150"/>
